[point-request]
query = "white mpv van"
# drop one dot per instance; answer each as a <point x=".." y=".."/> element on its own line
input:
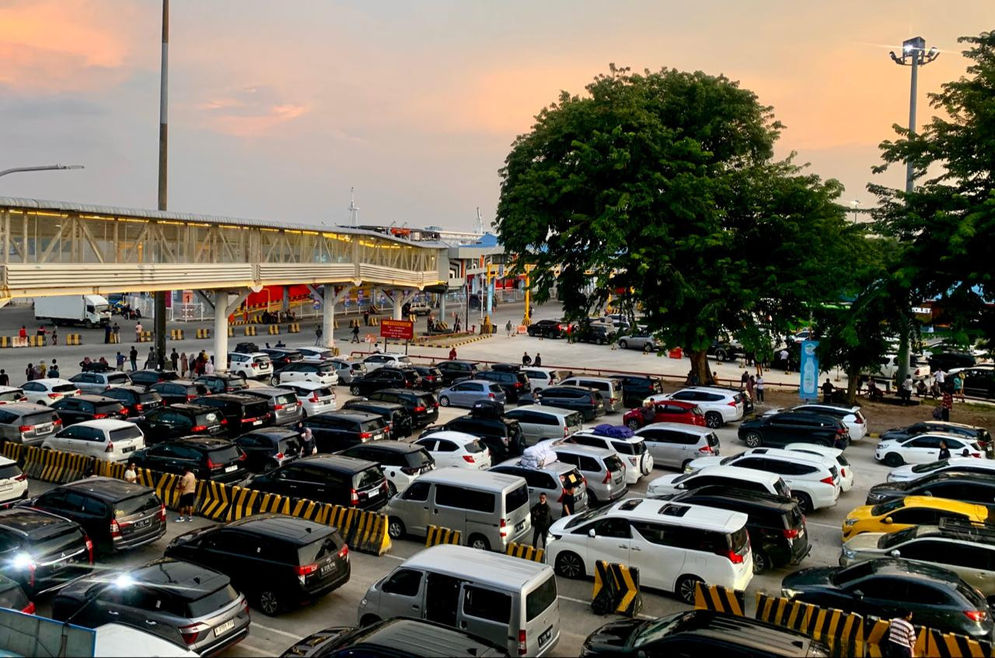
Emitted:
<point x="674" y="545"/>
<point x="507" y="600"/>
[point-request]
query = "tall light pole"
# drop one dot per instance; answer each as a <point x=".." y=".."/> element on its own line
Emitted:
<point x="855" y="204"/>
<point x="914" y="55"/>
<point x="15" y="170"/>
<point x="159" y="322"/>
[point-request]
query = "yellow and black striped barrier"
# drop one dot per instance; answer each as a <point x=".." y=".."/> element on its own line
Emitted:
<point x="526" y="552"/>
<point x="144" y="336"/>
<point x="204" y="333"/>
<point x="616" y="589"/>
<point x="294" y="328"/>
<point x="931" y="642"/>
<point x="273" y="329"/>
<point x="74" y="339"/>
<point x="13" y="451"/>
<point x="439" y="535"/>
<point x="175" y="334"/>
<point x="250" y="330"/>
<point x="367" y="532"/>
<point x="718" y="599"/>
<point x="213" y="499"/>
<point x="36" y="341"/>
<point x="374" y="321"/>
<point x="6" y="341"/>
<point x="842" y="631"/>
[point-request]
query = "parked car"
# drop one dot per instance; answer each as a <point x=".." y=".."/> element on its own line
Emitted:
<point x="851" y="416"/>
<point x="375" y="361"/>
<point x="27" y="423"/>
<point x="725" y="476"/>
<point x="80" y="408"/>
<point x="726" y="350"/>
<point x="315" y="353"/>
<point x="242" y="412"/>
<point x="49" y="390"/>
<point x="611" y="389"/>
<point x="346" y="370"/>
<point x="430" y="378"/>
<point x="401" y="462"/>
<point x="98" y="382"/>
<point x="502" y="436"/>
<point x="396" y="416"/>
<point x="42" y="551"/>
<point x="323" y="373"/>
<point x="588" y="402"/>
<point x="602" y="469"/>
<point x="148" y="377"/>
<point x="267" y="448"/>
<point x="278" y="561"/>
<point x="937" y="597"/>
<point x="284" y="408"/>
<point x="541" y="423"/>
<point x="641" y="339"/>
<point x="957" y="464"/>
<point x="631" y="450"/>
<point x="223" y="383"/>
<point x="398" y="636"/>
<point x="181" y="420"/>
<point x="781" y="429"/>
<point x="591" y="332"/>
<point x="979" y="434"/>
<point x="636" y="388"/>
<point x="338" y="430"/>
<point x="924" y="448"/>
<point x="465" y="393"/>
<point x="209" y="458"/>
<point x="187" y="604"/>
<point x="847" y="475"/>
<point x="106" y="439"/>
<point x="948" y="360"/>
<point x="902" y="513"/>
<point x="334" y="479"/>
<point x="252" y="365"/>
<point x="178" y="391"/>
<point x="313" y="398"/>
<point x="116" y="515"/>
<point x="455" y="370"/>
<point x="12" y="596"/>
<point x="720" y="406"/>
<point x="281" y="357"/>
<point x="966" y="487"/>
<point x="553" y="479"/>
<point x="457" y="450"/>
<point x="420" y="405"/>
<point x="384" y="377"/>
<point x="11" y="394"/>
<point x="676" y="444"/>
<point x="979" y="381"/>
<point x="514" y="383"/>
<point x="135" y="399"/>
<point x="13" y="481"/>
<point x="547" y="329"/>
<point x="887" y="367"/>
<point x="665" y="411"/>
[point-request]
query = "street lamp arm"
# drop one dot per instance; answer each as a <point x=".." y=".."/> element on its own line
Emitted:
<point x="39" y="168"/>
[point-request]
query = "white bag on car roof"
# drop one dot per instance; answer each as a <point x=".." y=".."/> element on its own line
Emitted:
<point x="538" y="456"/>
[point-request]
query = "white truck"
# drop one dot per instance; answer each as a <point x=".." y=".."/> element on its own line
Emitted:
<point x="88" y="310"/>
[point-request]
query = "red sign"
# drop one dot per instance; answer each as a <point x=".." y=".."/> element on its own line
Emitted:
<point x="404" y="329"/>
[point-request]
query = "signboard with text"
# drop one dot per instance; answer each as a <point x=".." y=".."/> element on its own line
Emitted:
<point x="401" y="329"/>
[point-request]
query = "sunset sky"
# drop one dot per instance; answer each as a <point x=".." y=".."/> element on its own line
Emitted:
<point x="276" y="109"/>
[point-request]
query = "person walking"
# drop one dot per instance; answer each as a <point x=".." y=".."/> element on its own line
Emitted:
<point x="209" y="366"/>
<point x="42" y="369"/>
<point x="542" y="518"/>
<point x="526" y="359"/>
<point x="946" y="404"/>
<point x="174" y="358"/>
<point x="907" y="387"/>
<point x="366" y="318"/>
<point x="308" y="446"/>
<point x="939" y="378"/>
<point x="317" y="335"/>
<point x="130" y="474"/>
<point x="117" y="332"/>
<point x="782" y="357"/>
<point x="567" y="499"/>
<point x="4" y="378"/>
<point x="452" y="353"/>
<point x="133" y="357"/>
<point x="150" y="359"/>
<point x="958" y="382"/>
<point x="751" y="387"/>
<point x="944" y="450"/>
<point x="537" y="362"/>
<point x="901" y="636"/>
<point x="23" y="333"/>
<point x="183" y="364"/>
<point x="744" y="379"/>
<point x="355" y="334"/>
<point x="138" y="332"/>
<point x="508" y="327"/>
<point x="55" y="336"/>
<point x="29" y="372"/>
<point x="107" y="334"/>
<point x="188" y="495"/>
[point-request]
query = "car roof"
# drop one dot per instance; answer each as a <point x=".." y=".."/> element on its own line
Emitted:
<point x="590" y="451"/>
<point x="635" y="438"/>
<point x="789" y="455"/>
<point x="355" y="403"/>
<point x="473" y="478"/>
<point x="486" y="382"/>
<point x="279" y="526"/>
<point x="893" y="566"/>
<point x="96" y="399"/>
<point x="27" y="520"/>
<point x="260" y="391"/>
<point x="388" y="445"/>
<point x="26" y="407"/>
<point x="206" y="442"/>
<point x="678" y="513"/>
<point x="4" y="461"/>
<point x="301" y="384"/>
<point x="421" y="638"/>
<point x="739" y="473"/>
<point x="351" y="414"/>
<point x="275" y="432"/>
<point x="939" y="503"/>
<point x="107" y="424"/>
<point x="941" y="435"/>
<point x="185" y="580"/>
<point x="543" y="409"/>
<point x="801" y="446"/>
<point x="829" y="406"/>
<point x="191" y="408"/>
<point x="719" y="492"/>
<point x="106" y="488"/>
<point x="748" y="632"/>
<point x="337" y="461"/>
<point x="700" y="430"/>
<point x="557" y="467"/>
<point x="483" y="566"/>
<point x="451" y="435"/>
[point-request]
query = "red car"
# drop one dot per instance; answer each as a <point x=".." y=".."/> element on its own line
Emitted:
<point x="667" y="411"/>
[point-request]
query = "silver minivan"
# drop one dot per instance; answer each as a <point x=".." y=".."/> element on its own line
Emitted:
<point x="282" y="404"/>
<point x="540" y="423"/>
<point x="553" y="480"/>
<point x="507" y="600"/>
<point x="27" y="423"/>
<point x="489" y="509"/>
<point x="676" y="444"/>
<point x="603" y="469"/>
<point x="610" y="389"/>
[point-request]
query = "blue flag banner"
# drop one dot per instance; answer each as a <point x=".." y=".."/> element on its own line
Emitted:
<point x="809" y="371"/>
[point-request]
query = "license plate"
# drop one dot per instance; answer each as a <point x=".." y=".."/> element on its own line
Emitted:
<point x="519" y="526"/>
<point x="546" y="636"/>
<point x="41" y="429"/>
<point x="327" y="568"/>
<point x="224" y="628"/>
<point x="6" y="486"/>
<point x="144" y="523"/>
<point x="128" y="449"/>
<point x="229" y="469"/>
<point x="257" y="422"/>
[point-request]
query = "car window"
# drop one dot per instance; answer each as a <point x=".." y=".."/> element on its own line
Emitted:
<point x="486" y="604"/>
<point x="616" y="528"/>
<point x="405" y="582"/>
<point x="416" y="491"/>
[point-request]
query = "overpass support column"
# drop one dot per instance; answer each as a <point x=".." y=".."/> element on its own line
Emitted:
<point x="402" y="297"/>
<point x="330" y="297"/>
<point x="225" y="303"/>
<point x="442" y="306"/>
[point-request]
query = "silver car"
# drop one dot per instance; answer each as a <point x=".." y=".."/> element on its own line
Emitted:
<point x="466" y="393"/>
<point x="540" y="423"/>
<point x="98" y="382"/>
<point x="282" y="403"/>
<point x="603" y="469"/>
<point x="676" y="444"/>
<point x="27" y="423"/>
<point x="553" y="480"/>
<point x="639" y="340"/>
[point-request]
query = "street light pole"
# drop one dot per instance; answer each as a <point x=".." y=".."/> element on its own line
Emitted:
<point x="15" y="170"/>
<point x="159" y="322"/>
<point x="855" y="204"/>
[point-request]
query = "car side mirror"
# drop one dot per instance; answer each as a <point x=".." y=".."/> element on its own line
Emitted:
<point x="858" y="594"/>
<point x="591" y="533"/>
<point x="887" y="520"/>
<point x="895" y="553"/>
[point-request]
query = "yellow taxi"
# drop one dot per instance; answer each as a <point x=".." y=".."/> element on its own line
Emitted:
<point x="903" y="513"/>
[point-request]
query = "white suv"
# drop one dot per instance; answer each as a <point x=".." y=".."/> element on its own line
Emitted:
<point x="13" y="483"/>
<point x="375" y="361"/>
<point x="313" y="397"/>
<point x="631" y="450"/>
<point x="255" y="365"/>
<point x="302" y="371"/>
<point x="719" y="405"/>
<point x="105" y="439"/>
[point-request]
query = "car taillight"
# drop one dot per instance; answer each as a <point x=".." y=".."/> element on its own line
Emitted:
<point x="55" y="396"/>
<point x="301" y="404"/>
<point x="243" y="457"/>
<point x="522" y="644"/>
<point x="211" y="464"/>
<point x="975" y="454"/>
<point x="734" y="557"/>
<point x="198" y="428"/>
<point x="20" y="478"/>
<point x="305" y="570"/>
<point x="25" y="428"/>
<point x="110" y="447"/>
<point x="828" y="480"/>
<point x="190" y="397"/>
<point x="503" y="528"/>
<point x="842" y="472"/>
<point x="279" y="455"/>
<point x="162" y="513"/>
<point x="224" y="421"/>
<point x="469" y="459"/>
<point x="57" y="421"/>
<point x="29" y="609"/>
<point x="190" y="632"/>
<point x="841" y="430"/>
<point x="608" y="477"/>
<point x="790" y="533"/>
<point x="354" y="497"/>
<point x="859" y="421"/>
<point x="99" y="416"/>
<point x="138" y="407"/>
<point x="705" y="448"/>
<point x="419" y="409"/>
<point x="89" y="549"/>
<point x="115" y="529"/>
<point x="976" y="615"/>
<point x="365" y="435"/>
<point x="518" y="384"/>
<point x="344" y="551"/>
<point x="277" y="407"/>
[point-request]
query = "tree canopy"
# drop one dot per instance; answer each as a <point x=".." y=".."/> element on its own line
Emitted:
<point x="665" y="183"/>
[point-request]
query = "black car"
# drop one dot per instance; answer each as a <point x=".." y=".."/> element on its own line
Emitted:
<point x="76" y="409"/>
<point x="334" y="479"/>
<point x="513" y="382"/>
<point x="135" y="399"/>
<point x="276" y="560"/>
<point x="394" y="458"/>
<point x="115" y="514"/>
<point x="181" y="420"/>
<point x="979" y="381"/>
<point x="430" y="377"/>
<point x="242" y="412"/>
<point x="778" y="430"/>
<point x="965" y="487"/>
<point x="148" y="377"/>
<point x="398" y="637"/>
<point x="725" y="350"/>
<point x="699" y="633"/>
<point x="937" y="597"/>
<point x="384" y="377"/>
<point x="338" y="430"/>
<point x="282" y="357"/>
<point x="40" y="550"/>
<point x="420" y="405"/>
<point x="455" y="370"/>
<point x="979" y="434"/>
<point x="210" y="458"/>
<point x="548" y="329"/>
<point x="597" y="333"/>
<point x="178" y="390"/>
<point x="247" y="348"/>
<point x="269" y="447"/>
<point x="636" y="388"/>
<point x="503" y="436"/>
<point x="949" y="360"/>
<point x="398" y="419"/>
<point x="588" y="402"/>
<point x="223" y="383"/>
<point x="776" y="525"/>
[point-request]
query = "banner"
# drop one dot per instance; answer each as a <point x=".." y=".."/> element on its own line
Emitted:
<point x="402" y="329"/>
<point x="809" y="371"/>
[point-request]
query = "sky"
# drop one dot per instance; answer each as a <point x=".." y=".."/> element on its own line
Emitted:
<point x="277" y="109"/>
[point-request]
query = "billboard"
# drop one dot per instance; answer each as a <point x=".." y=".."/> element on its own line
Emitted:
<point x="809" y="371"/>
<point x="401" y="329"/>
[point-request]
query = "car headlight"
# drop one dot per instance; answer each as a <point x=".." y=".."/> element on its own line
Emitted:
<point x="849" y="522"/>
<point x="849" y="552"/>
<point x="22" y="561"/>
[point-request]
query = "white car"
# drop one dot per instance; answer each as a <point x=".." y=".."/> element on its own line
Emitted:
<point x="846" y="470"/>
<point x="456" y="449"/>
<point x="48" y="390"/>
<point x="888" y="367"/>
<point x="631" y="450"/>
<point x="959" y="464"/>
<point x="13" y="483"/>
<point x="925" y="448"/>
<point x="539" y="378"/>
<point x="301" y="371"/>
<point x="11" y="394"/>
<point x="109" y="440"/>
<point x="98" y="382"/>
<point x="316" y="354"/>
<point x="375" y="361"/>
<point x="255" y="365"/>
<point x="719" y="405"/>
<point x="725" y="476"/>
<point x="313" y="397"/>
<point x="850" y="416"/>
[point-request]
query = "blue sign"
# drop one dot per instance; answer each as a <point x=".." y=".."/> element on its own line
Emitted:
<point x="809" y="371"/>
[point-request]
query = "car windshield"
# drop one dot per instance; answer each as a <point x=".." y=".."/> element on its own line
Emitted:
<point x="538" y="600"/>
<point x="517" y="498"/>
<point x="319" y="550"/>
<point x="852" y="573"/>
<point x="209" y="418"/>
<point x="371" y="477"/>
<point x="38" y="418"/>
<point x="652" y="631"/>
<point x="124" y="433"/>
<point x="118" y="378"/>
<point x="931" y="466"/>
<point x="224" y="455"/>
<point x="212" y="602"/>
<point x="64" y="388"/>
<point x="417" y="459"/>
<point x="136" y="504"/>
<point x="896" y="538"/>
<point x="9" y="471"/>
<point x="887" y="508"/>
<point x="285" y="399"/>
<point x="474" y="447"/>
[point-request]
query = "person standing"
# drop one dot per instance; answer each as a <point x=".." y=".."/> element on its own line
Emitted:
<point x="901" y="635"/>
<point x="317" y="335"/>
<point x="23" y="333"/>
<point x="53" y="370"/>
<point x="946" y="404"/>
<point x="537" y="362"/>
<point x="107" y="334"/>
<point x="744" y="379"/>
<point x="29" y="372"/>
<point x="827" y="391"/>
<point x="308" y="446"/>
<point x="138" y="332"/>
<point x="907" y="386"/>
<point x="133" y="357"/>
<point x="119" y="360"/>
<point x="209" y="367"/>
<point x="4" y="378"/>
<point x="944" y="450"/>
<point x="958" y="382"/>
<point x="42" y="369"/>
<point x="760" y="388"/>
<point x="174" y="358"/>
<point x="782" y="356"/>
<point x="452" y="353"/>
<point x="183" y="364"/>
<point x="568" y="500"/>
<point x="508" y="328"/>
<point x="130" y="474"/>
<point x="751" y="387"/>
<point x="939" y="378"/>
<point x="526" y="359"/>
<point x="117" y="332"/>
<point x="188" y="495"/>
<point x="542" y="518"/>
<point x="355" y="333"/>
<point x="55" y="336"/>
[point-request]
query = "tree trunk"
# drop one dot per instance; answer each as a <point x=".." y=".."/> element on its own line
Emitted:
<point x="700" y="366"/>
<point x="852" y="377"/>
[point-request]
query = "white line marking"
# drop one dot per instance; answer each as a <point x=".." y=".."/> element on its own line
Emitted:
<point x="588" y="603"/>
<point x="293" y="636"/>
<point x="834" y="526"/>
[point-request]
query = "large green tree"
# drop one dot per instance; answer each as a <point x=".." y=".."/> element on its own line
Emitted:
<point x="666" y="183"/>
<point x="947" y="224"/>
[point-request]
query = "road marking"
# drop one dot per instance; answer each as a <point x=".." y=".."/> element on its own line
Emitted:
<point x="242" y="646"/>
<point x="275" y="630"/>
<point x="834" y="526"/>
<point x="587" y="603"/>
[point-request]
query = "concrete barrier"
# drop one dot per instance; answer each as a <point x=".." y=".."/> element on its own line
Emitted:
<point x="439" y="535"/>
<point x="526" y="552"/>
<point x="718" y="599"/>
<point x="616" y="589"/>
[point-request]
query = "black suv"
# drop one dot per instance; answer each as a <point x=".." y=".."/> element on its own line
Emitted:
<point x="384" y="377"/>
<point x="394" y="457"/>
<point x="135" y="399"/>
<point x="338" y="430"/>
<point x="514" y="383"/>
<point x="588" y="402"/>
<point x="420" y="405"/>
<point x="148" y="377"/>
<point x="41" y="550"/>
<point x="547" y="329"/>
<point x="594" y="332"/>
<point x="949" y="360"/>
<point x="269" y="447"/>
<point x="117" y="515"/>
<point x="181" y="420"/>
<point x="778" y="430"/>
<point x="636" y="388"/>
<point x="282" y="357"/>
<point x="76" y="409"/>
<point x="276" y="560"/>
<point x="776" y="525"/>
<point x="223" y="383"/>
<point x="396" y="416"/>
<point x="209" y="458"/>
<point x="503" y="436"/>
<point x="455" y="370"/>
<point x="334" y="479"/>
<point x="966" y="487"/>
<point x="243" y="412"/>
<point x="430" y="377"/>
<point x="178" y="390"/>
<point x="398" y="636"/>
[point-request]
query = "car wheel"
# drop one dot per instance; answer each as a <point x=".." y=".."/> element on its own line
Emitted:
<point x="623" y="344"/>
<point x="354" y="390"/>
<point x="713" y="419"/>
<point x="648" y="347"/>
<point x="569" y="565"/>
<point x="686" y="586"/>
<point x="633" y="425"/>
<point x="720" y="355"/>
<point x="269" y="602"/>
<point x="804" y="502"/>
<point x="479" y="542"/>
<point x="395" y="528"/>
<point x="893" y="459"/>
<point x="752" y="440"/>
<point x="443" y="401"/>
<point x="761" y="562"/>
<point x="684" y="466"/>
